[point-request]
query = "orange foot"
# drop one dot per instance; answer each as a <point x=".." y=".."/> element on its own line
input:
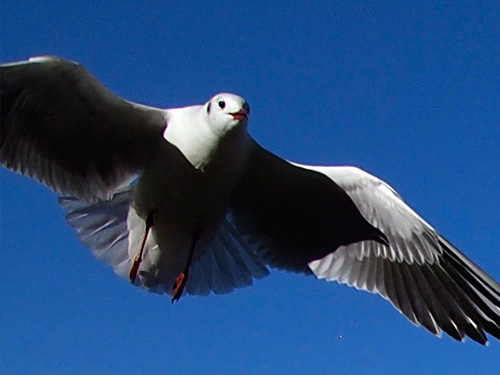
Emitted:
<point x="134" y="268"/>
<point x="179" y="285"/>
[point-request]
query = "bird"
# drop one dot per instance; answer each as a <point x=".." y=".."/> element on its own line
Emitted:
<point x="184" y="201"/>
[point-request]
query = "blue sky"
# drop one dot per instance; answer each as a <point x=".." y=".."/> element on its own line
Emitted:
<point x="408" y="92"/>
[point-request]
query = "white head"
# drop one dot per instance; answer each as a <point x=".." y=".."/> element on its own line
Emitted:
<point x="225" y="111"/>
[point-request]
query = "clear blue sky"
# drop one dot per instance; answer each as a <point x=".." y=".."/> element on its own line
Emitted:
<point x="409" y="92"/>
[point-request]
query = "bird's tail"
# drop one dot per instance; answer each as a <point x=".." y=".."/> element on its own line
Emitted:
<point x="104" y="228"/>
<point x="114" y="232"/>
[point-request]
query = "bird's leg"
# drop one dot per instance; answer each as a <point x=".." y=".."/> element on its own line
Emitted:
<point x="181" y="280"/>
<point x="138" y="257"/>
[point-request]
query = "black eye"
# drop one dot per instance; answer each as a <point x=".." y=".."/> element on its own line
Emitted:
<point x="222" y="104"/>
<point x="208" y="108"/>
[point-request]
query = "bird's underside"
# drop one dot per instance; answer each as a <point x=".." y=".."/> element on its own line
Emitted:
<point x="244" y="209"/>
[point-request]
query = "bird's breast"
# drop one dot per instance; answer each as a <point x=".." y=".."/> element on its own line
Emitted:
<point x="187" y="198"/>
<point x="187" y="205"/>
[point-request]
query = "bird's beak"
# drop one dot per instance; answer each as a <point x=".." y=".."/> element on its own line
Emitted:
<point x="241" y="115"/>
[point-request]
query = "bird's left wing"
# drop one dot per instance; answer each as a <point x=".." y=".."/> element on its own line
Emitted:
<point x="423" y="275"/>
<point x="61" y="126"/>
<point x="294" y="215"/>
<point x="343" y="224"/>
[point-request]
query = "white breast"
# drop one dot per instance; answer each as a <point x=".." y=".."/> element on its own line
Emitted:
<point x="187" y="186"/>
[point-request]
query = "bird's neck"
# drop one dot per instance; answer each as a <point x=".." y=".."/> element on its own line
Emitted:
<point x="203" y="148"/>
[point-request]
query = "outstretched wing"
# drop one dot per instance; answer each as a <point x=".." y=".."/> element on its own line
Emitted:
<point x="294" y="215"/>
<point x="424" y="276"/>
<point x="62" y="127"/>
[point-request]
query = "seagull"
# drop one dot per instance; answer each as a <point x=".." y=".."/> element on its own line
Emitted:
<point x="184" y="201"/>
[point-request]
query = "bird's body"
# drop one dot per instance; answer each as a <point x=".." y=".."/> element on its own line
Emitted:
<point x="210" y="210"/>
<point x="186" y="187"/>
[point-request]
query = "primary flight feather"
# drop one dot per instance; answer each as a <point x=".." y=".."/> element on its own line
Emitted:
<point x="183" y="200"/>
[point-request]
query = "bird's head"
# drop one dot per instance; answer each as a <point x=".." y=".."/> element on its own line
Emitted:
<point x="226" y="111"/>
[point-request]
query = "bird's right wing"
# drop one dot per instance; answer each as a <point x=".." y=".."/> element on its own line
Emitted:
<point x="62" y="127"/>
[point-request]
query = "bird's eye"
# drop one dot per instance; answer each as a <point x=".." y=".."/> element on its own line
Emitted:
<point x="208" y="107"/>
<point x="222" y="104"/>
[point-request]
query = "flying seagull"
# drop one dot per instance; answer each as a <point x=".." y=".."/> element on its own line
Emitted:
<point x="183" y="200"/>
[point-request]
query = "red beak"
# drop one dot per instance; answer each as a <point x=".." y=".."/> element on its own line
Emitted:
<point x="242" y="114"/>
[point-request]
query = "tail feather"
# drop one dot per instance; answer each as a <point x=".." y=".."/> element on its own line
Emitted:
<point x="113" y="231"/>
<point x="227" y="265"/>
<point x="102" y="226"/>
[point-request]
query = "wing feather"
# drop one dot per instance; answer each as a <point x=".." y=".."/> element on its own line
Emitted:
<point x="423" y="275"/>
<point x="62" y="127"/>
<point x="295" y="214"/>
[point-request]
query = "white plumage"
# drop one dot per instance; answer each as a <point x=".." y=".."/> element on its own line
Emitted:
<point x="210" y="209"/>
